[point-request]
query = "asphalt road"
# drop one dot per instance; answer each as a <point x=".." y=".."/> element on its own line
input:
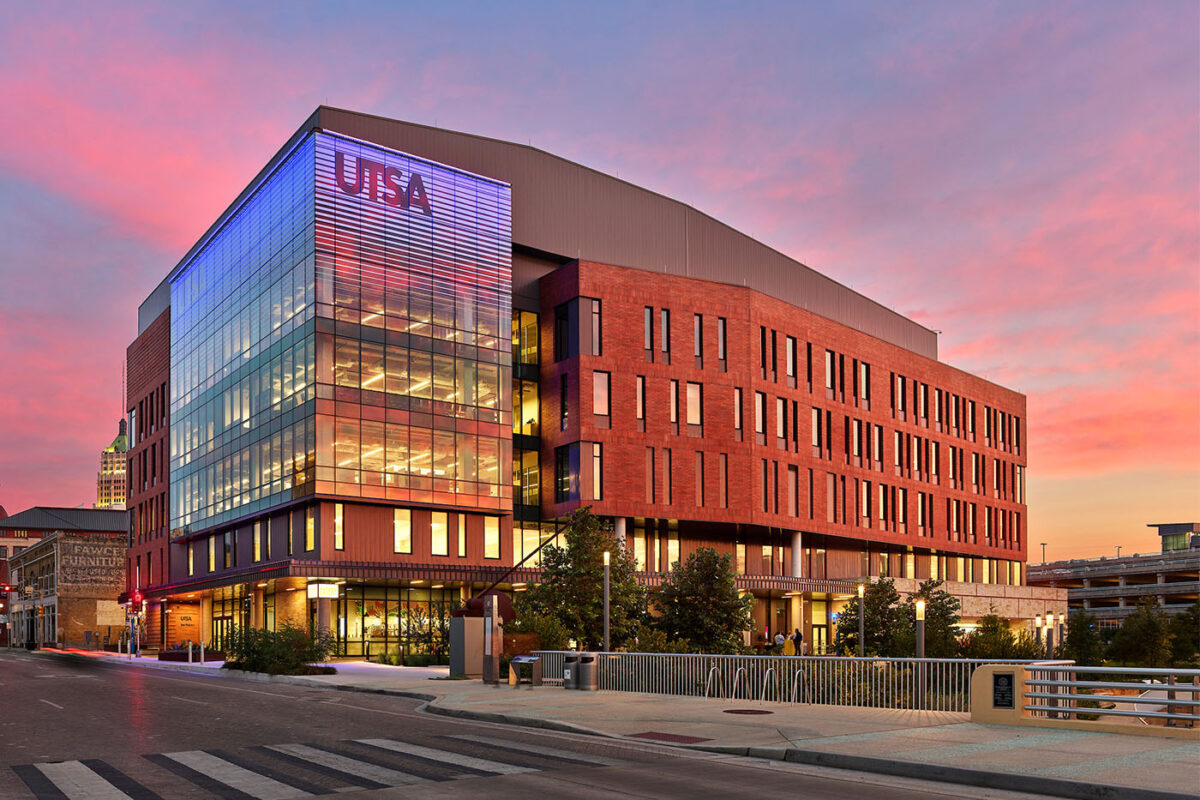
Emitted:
<point x="90" y="730"/>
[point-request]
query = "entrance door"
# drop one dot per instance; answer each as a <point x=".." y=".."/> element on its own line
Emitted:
<point x="222" y="627"/>
<point x="820" y="639"/>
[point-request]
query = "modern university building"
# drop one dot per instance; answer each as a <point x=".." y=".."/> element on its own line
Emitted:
<point x="403" y="355"/>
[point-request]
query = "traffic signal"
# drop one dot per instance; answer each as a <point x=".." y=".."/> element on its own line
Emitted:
<point x="138" y="602"/>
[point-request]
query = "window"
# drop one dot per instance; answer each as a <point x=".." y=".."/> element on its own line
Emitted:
<point x="829" y="377"/>
<point x="816" y="430"/>
<point x="566" y="473"/>
<point x="781" y="421"/>
<point x="723" y="480"/>
<point x="310" y="536"/>
<point x="212" y="554"/>
<point x="649" y="474"/>
<point x="740" y="557"/>
<point x="595" y="329"/>
<point x="566" y="330"/>
<point x="491" y="537"/>
<point x="665" y="333"/>
<point x="699" y="478"/>
<point x="600" y="386"/>
<point x="648" y="330"/>
<point x="641" y="397"/>
<point x="462" y="535"/>
<point x="291" y="546"/>
<point x="695" y="405"/>
<point x="597" y="471"/>
<point x="790" y="359"/>
<point x="760" y="413"/>
<point x="562" y="402"/>
<point x="191" y="557"/>
<point x="258" y="541"/>
<point x="762" y="349"/>
<point x="698" y="336"/>
<point x="864" y="383"/>
<point x="673" y="409"/>
<point x="720" y="338"/>
<point x="401" y="530"/>
<point x="229" y="552"/>
<point x="668" y="470"/>
<point x="737" y="410"/>
<point x="793" y="491"/>
<point x="439" y="534"/>
<point x="339" y="538"/>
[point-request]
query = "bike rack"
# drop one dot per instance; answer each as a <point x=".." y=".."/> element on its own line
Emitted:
<point x="766" y="684"/>
<point x="745" y="682"/>
<point x="708" y="682"/>
<point x="796" y="683"/>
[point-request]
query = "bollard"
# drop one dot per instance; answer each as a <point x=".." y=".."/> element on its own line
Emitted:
<point x="189" y="651"/>
<point x="201" y="652"/>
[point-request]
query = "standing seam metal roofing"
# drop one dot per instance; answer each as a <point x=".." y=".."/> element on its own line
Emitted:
<point x="45" y="518"/>
<point x="574" y="211"/>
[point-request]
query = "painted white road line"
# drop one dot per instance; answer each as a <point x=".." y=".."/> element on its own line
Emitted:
<point x="239" y="778"/>
<point x="524" y="747"/>
<point x="446" y="757"/>
<point x="187" y="700"/>
<point x="78" y="782"/>
<point x="351" y="766"/>
<point x="56" y="705"/>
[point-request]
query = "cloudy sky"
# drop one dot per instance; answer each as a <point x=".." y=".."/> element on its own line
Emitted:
<point x="1024" y="177"/>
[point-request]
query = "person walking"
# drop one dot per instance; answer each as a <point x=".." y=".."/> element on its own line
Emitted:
<point x="798" y="642"/>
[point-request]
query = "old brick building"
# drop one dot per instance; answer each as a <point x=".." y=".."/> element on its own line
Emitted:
<point x="380" y="380"/>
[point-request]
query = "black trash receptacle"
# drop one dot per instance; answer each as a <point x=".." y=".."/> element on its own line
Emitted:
<point x="589" y="679"/>
<point x="571" y="672"/>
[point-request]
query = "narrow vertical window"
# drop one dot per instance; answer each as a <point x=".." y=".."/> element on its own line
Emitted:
<point x="790" y="360"/>
<point x="291" y="545"/>
<point x="491" y="537"/>
<point x="667" y="476"/>
<point x="673" y="409"/>
<point x="648" y="332"/>
<point x="737" y="410"/>
<point x="596" y="327"/>
<point x="339" y="538"/>
<point x="597" y="471"/>
<point x="699" y="478"/>
<point x="462" y="535"/>
<point x="760" y="414"/>
<point x="191" y="559"/>
<point x="310" y="532"/>
<point x="212" y="554"/>
<point x="698" y="336"/>
<point x="723" y="480"/>
<point x="401" y="530"/>
<point x="562" y="402"/>
<point x="665" y="333"/>
<point x="649" y="474"/>
<point x="829" y="376"/>
<point x="439" y="535"/>
<point x="641" y="397"/>
<point x="695" y="404"/>
<point x="720" y="338"/>
<point x="600" y="399"/>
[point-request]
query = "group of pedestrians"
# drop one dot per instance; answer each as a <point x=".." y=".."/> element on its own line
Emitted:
<point x="792" y="645"/>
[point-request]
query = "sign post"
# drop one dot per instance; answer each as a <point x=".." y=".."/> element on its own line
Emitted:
<point x="492" y="643"/>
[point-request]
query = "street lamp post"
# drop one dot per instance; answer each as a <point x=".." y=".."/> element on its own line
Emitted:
<point x="606" y="637"/>
<point x="1037" y="624"/>
<point x="921" y="653"/>
<point x="1049" y="635"/>
<point x="1043" y="552"/>
<point x="861" y="626"/>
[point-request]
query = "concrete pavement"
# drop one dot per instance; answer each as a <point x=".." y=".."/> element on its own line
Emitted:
<point x="938" y="745"/>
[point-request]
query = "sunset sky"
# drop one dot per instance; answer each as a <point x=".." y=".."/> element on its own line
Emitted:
<point x="1024" y="177"/>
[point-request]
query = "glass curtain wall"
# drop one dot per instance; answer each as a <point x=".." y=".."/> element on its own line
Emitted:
<point x="375" y="620"/>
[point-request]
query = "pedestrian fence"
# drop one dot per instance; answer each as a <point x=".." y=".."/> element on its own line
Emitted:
<point x="929" y="684"/>
<point x="1061" y="690"/>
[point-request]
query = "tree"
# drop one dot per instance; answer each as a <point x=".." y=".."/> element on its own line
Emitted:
<point x="572" y="587"/>
<point x="1144" y="638"/>
<point x="1083" y="644"/>
<point x="886" y="628"/>
<point x="994" y="639"/>
<point x="941" y="617"/>
<point x="699" y="603"/>
<point x="1185" y="635"/>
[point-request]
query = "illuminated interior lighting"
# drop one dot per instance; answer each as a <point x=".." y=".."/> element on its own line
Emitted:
<point x="368" y="318"/>
<point x="419" y="385"/>
<point x="369" y="381"/>
<point x="437" y="586"/>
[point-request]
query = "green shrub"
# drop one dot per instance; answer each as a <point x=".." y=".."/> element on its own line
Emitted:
<point x="291" y="650"/>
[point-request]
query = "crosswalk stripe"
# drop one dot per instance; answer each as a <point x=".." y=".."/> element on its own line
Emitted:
<point x="445" y="756"/>
<point x="252" y="783"/>
<point x="349" y="766"/>
<point x="77" y="781"/>
<point x="39" y="784"/>
<point x="537" y="749"/>
<point x="222" y="790"/>
<point x="288" y="778"/>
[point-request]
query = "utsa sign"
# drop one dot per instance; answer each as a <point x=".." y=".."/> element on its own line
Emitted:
<point x="382" y="182"/>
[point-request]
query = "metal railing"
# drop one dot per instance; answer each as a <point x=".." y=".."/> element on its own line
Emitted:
<point x="930" y="684"/>
<point x="1065" y="691"/>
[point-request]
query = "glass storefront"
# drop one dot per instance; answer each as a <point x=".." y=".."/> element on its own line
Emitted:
<point x="374" y="619"/>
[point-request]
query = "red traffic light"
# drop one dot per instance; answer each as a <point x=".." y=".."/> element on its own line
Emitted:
<point x="137" y="597"/>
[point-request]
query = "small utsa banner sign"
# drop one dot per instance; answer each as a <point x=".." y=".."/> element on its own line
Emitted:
<point x="382" y="182"/>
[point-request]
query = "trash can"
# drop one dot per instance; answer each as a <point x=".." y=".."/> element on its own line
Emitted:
<point x="588" y="680"/>
<point x="571" y="671"/>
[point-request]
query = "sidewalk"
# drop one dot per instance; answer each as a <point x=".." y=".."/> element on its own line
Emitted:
<point x="929" y="745"/>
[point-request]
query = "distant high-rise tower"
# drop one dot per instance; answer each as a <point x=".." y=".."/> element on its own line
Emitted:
<point x="110" y="480"/>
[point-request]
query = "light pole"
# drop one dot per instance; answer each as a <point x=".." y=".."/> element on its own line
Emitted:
<point x="1049" y="635"/>
<point x="1043" y="552"/>
<point x="921" y="653"/>
<point x="920" y="629"/>
<point x="606" y="639"/>
<point x="862" y="589"/>
<point x="1062" y="636"/>
<point x="1118" y="551"/>
<point x="1037" y="624"/>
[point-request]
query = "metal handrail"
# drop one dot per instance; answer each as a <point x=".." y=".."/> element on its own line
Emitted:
<point x="1059" y="697"/>
<point x="708" y="682"/>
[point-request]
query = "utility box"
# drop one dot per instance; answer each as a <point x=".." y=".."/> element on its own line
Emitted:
<point x="466" y="646"/>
